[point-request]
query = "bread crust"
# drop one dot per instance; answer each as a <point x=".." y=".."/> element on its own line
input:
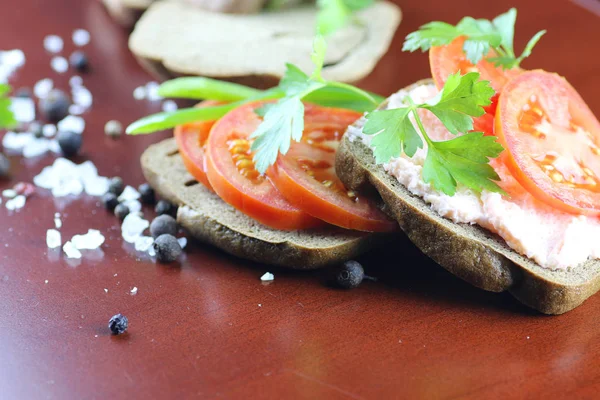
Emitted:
<point x="470" y="252"/>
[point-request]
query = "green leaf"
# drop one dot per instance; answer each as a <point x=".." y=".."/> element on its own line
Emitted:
<point x="293" y="81"/>
<point x="463" y="160"/>
<point x="505" y="25"/>
<point x="168" y="120"/>
<point x="199" y="88"/>
<point x="462" y="98"/>
<point x="530" y="45"/>
<point x="394" y="133"/>
<point x="481" y="35"/>
<point x="318" y="57"/>
<point x="7" y="118"/>
<point x="431" y="34"/>
<point x="335" y="14"/>
<point x="282" y="123"/>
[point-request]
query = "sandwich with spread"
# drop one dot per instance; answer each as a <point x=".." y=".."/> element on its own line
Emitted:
<point x="490" y="169"/>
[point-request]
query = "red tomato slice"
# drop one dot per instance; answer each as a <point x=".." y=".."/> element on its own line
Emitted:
<point x="552" y="141"/>
<point x="231" y="172"/>
<point x="449" y="59"/>
<point x="191" y="139"/>
<point x="306" y="174"/>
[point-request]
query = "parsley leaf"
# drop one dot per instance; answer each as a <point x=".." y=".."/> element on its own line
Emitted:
<point x="284" y="121"/>
<point x="481" y="36"/>
<point x="7" y="118"/>
<point x="335" y="14"/>
<point x="464" y="159"/>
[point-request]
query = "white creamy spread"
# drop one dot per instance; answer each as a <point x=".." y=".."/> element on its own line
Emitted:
<point x="553" y="239"/>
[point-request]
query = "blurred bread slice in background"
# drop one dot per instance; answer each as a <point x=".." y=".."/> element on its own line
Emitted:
<point x="172" y="39"/>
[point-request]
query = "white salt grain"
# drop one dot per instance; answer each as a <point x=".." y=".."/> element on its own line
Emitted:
<point x="36" y="147"/>
<point x="53" y="43"/>
<point x="139" y="93"/>
<point x="23" y="109"/>
<point x="133" y="291"/>
<point x="76" y="109"/>
<point x="9" y="193"/>
<point x="267" y="277"/>
<point x="12" y="58"/>
<point x="182" y="242"/>
<point x="90" y="241"/>
<point x="105" y="290"/>
<point x="65" y="178"/>
<point x="133" y="226"/>
<point x="129" y="193"/>
<point x="169" y="106"/>
<point x="54" y="147"/>
<point x="96" y="186"/>
<point x="59" y="64"/>
<point x="42" y="88"/>
<point x="16" y="203"/>
<point x="134" y="206"/>
<point x="152" y="91"/>
<point x="49" y="130"/>
<point x="82" y="96"/>
<point x="143" y="243"/>
<point x="81" y="37"/>
<point x="151" y="251"/>
<point x="16" y="141"/>
<point x="75" y="80"/>
<point x="72" y="123"/>
<point x="53" y="238"/>
<point x="46" y="281"/>
<point x="57" y="221"/>
<point x="71" y="251"/>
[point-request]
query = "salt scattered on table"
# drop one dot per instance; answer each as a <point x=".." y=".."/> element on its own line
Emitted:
<point x="16" y="203"/>
<point x="75" y="80"/>
<point x="10" y="61"/>
<point x="53" y="238"/>
<point x="182" y="242"/>
<point x="133" y="205"/>
<point x="133" y="226"/>
<point x="36" y="147"/>
<point x="72" y="123"/>
<point x="143" y="243"/>
<point x="81" y="37"/>
<point x="57" y="221"/>
<point x="9" y="193"/>
<point x="59" y="64"/>
<point x="49" y="130"/>
<point x="129" y="193"/>
<point x="169" y="106"/>
<point x="105" y="290"/>
<point x="42" y="88"/>
<point x="71" y="251"/>
<point x="82" y="96"/>
<point x="53" y="43"/>
<point x="23" y="109"/>
<point x="16" y="141"/>
<point x="65" y="178"/>
<point x="90" y="241"/>
<point x="152" y="91"/>
<point x="76" y="109"/>
<point x="133" y="291"/>
<point x="267" y="277"/>
<point x="139" y="93"/>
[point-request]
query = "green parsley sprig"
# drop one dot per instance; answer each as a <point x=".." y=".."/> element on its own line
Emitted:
<point x="481" y="36"/>
<point x="464" y="159"/>
<point x="335" y="14"/>
<point x="7" y="118"/>
<point x="284" y="121"/>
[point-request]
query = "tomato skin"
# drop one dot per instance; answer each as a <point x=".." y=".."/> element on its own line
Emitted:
<point x="256" y="198"/>
<point x="562" y="106"/>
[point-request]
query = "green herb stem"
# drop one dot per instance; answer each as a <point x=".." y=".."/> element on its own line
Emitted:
<point x="198" y="88"/>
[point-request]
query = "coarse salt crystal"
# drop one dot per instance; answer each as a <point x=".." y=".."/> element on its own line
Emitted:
<point x="49" y="130"/>
<point x="71" y="251"/>
<point x="42" y="88"/>
<point x="82" y="96"/>
<point x="75" y="80"/>
<point x="12" y="58"/>
<point x="72" y="123"/>
<point x="9" y="193"/>
<point x="36" y="148"/>
<point x="105" y="290"/>
<point x="133" y="205"/>
<point x="133" y="291"/>
<point x="169" y="106"/>
<point x="81" y="37"/>
<point x="16" y="203"/>
<point x="59" y="64"/>
<point x="57" y="221"/>
<point x="267" y="277"/>
<point x="96" y="186"/>
<point x="182" y="242"/>
<point x="143" y="243"/>
<point x="23" y="109"/>
<point x="53" y="43"/>
<point x="151" y="251"/>
<point x="53" y="238"/>
<point x="90" y="241"/>
<point x="139" y="93"/>
<point x="129" y="193"/>
<point x="16" y="141"/>
<point x="54" y="147"/>
<point x="152" y="91"/>
<point x="133" y="226"/>
<point x="76" y="109"/>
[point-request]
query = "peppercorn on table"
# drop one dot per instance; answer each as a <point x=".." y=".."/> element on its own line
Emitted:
<point x="209" y="327"/>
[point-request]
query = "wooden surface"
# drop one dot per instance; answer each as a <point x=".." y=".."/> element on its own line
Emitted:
<point x="210" y="329"/>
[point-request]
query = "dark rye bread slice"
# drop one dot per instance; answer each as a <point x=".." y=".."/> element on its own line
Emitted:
<point x="211" y="220"/>
<point x="173" y="39"/>
<point x="468" y="251"/>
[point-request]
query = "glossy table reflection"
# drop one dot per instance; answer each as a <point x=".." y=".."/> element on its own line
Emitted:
<point x="210" y="329"/>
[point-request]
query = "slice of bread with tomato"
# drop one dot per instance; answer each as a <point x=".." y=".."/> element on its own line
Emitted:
<point x="470" y="252"/>
<point x="211" y="220"/>
<point x="173" y="39"/>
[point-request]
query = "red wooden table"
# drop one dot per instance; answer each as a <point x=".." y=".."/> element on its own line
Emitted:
<point x="210" y="329"/>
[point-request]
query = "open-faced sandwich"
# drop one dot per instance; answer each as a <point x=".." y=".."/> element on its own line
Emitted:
<point x="490" y="169"/>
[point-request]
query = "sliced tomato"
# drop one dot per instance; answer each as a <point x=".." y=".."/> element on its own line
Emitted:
<point x="306" y="174"/>
<point x="191" y="139"/>
<point x="449" y="59"/>
<point x="552" y="141"/>
<point x="232" y="174"/>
